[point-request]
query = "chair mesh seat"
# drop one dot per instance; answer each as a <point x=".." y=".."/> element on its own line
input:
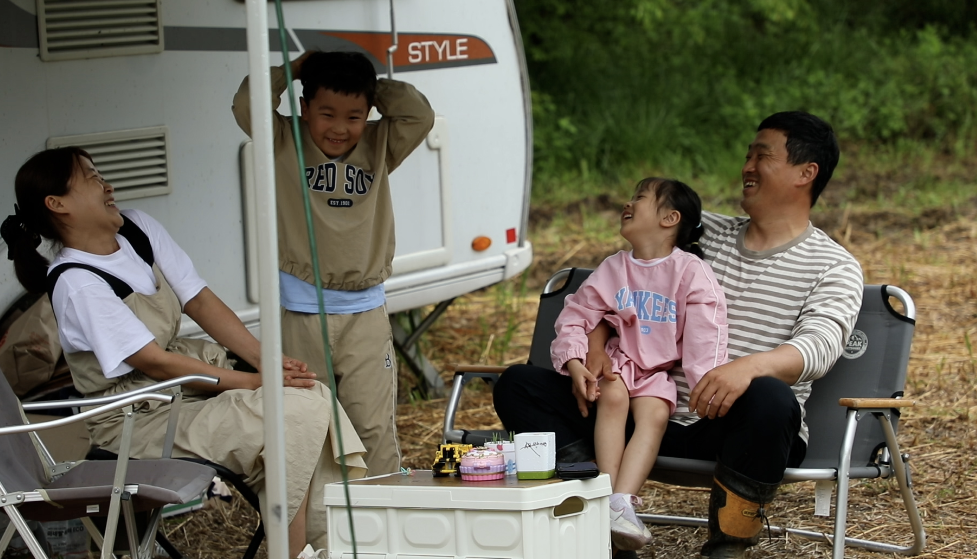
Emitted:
<point x="161" y="482"/>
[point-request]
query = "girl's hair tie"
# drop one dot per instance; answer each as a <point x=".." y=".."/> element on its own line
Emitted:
<point x="15" y="232"/>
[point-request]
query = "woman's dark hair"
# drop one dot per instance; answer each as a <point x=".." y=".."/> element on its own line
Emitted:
<point x="349" y="73"/>
<point x="45" y="174"/>
<point x="677" y="195"/>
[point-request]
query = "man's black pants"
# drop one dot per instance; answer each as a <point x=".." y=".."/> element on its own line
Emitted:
<point x="756" y="438"/>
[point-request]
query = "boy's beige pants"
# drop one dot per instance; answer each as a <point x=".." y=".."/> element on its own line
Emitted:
<point x="366" y="374"/>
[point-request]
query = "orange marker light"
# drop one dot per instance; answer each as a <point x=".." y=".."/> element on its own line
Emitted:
<point x="481" y="243"/>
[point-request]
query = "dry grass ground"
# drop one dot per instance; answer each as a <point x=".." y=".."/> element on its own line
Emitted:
<point x="935" y="263"/>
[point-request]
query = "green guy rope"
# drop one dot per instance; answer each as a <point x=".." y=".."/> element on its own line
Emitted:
<point x="315" y="268"/>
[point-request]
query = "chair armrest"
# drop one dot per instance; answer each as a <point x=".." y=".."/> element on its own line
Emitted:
<point x="126" y="401"/>
<point x="461" y="368"/>
<point x="859" y="403"/>
<point x="179" y="381"/>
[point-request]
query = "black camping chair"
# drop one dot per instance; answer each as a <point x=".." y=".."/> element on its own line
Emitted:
<point x="34" y="487"/>
<point x="867" y="382"/>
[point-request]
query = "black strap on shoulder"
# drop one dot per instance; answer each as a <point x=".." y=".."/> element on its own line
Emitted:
<point x="138" y="239"/>
<point x="121" y="288"/>
<point x="140" y="243"/>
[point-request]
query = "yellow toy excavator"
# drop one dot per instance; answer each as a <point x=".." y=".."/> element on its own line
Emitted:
<point x="447" y="459"/>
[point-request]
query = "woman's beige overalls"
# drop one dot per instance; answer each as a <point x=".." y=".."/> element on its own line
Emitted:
<point x="227" y="428"/>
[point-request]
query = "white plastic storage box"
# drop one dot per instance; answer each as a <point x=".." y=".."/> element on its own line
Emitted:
<point x="420" y="516"/>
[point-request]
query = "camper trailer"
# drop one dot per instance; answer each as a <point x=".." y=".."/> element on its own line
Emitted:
<point x="146" y="85"/>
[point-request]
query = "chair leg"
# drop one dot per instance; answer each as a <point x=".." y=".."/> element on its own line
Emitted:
<point x="247" y="494"/>
<point x="8" y="534"/>
<point x="118" y="486"/>
<point x="905" y="488"/>
<point x="167" y="546"/>
<point x="256" y="539"/>
<point x="453" y="399"/>
<point x="448" y="432"/>
<point x="108" y="538"/>
<point x="841" y="501"/>
<point x="132" y="531"/>
<point x="20" y="525"/>
<point x="147" y="544"/>
<point x="93" y="531"/>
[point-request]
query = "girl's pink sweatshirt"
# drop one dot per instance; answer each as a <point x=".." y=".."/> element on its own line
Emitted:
<point x="668" y="312"/>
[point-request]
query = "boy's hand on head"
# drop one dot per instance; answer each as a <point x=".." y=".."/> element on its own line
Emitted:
<point x="584" y="385"/>
<point x="296" y="65"/>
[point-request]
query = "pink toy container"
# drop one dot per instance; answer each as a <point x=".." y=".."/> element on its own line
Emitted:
<point x="481" y="464"/>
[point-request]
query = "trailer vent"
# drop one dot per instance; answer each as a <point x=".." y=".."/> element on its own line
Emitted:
<point x="73" y="29"/>
<point x="135" y="162"/>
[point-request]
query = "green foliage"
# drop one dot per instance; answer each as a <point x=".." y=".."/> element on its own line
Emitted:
<point x="681" y="86"/>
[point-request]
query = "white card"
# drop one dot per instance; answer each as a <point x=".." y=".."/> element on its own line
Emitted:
<point x="822" y="497"/>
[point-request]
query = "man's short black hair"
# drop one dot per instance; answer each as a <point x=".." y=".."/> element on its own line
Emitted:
<point x="809" y="140"/>
<point x="349" y="73"/>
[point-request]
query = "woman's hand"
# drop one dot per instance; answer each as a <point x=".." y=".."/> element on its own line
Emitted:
<point x="293" y="364"/>
<point x="296" y="373"/>
<point x="299" y="379"/>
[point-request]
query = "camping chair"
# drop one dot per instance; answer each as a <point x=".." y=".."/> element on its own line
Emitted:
<point x="222" y="472"/>
<point x="867" y="381"/>
<point x="33" y="487"/>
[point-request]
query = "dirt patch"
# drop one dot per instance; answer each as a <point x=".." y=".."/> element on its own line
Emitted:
<point x="541" y="216"/>
<point x="861" y="227"/>
<point x="867" y="179"/>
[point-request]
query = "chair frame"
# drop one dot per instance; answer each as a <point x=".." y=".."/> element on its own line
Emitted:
<point x="222" y="472"/>
<point x="120" y="500"/>
<point x="890" y="461"/>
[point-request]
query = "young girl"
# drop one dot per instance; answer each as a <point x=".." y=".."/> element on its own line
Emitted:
<point x="119" y="285"/>
<point x="669" y="311"/>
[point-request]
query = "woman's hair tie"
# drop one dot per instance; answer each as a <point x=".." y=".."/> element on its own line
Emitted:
<point x="699" y="226"/>
<point x="15" y="232"/>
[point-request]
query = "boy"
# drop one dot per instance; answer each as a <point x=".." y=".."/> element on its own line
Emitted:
<point x="347" y="162"/>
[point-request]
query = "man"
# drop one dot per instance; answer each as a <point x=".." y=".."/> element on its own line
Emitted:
<point x="793" y="296"/>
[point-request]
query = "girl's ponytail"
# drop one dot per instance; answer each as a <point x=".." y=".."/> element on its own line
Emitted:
<point x="45" y="174"/>
<point x="690" y="241"/>
<point x="22" y="243"/>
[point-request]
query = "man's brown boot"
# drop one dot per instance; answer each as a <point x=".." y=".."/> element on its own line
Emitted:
<point x="736" y="513"/>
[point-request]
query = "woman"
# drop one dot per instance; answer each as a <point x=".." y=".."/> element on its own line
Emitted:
<point x="119" y="285"/>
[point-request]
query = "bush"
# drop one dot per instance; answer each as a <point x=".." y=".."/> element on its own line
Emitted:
<point x="664" y="83"/>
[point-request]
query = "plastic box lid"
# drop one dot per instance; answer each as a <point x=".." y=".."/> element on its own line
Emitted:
<point x="422" y="490"/>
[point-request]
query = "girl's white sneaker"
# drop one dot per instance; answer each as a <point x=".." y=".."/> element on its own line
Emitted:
<point x="627" y="532"/>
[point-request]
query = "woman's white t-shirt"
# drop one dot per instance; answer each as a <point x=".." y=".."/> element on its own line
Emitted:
<point x="91" y="317"/>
